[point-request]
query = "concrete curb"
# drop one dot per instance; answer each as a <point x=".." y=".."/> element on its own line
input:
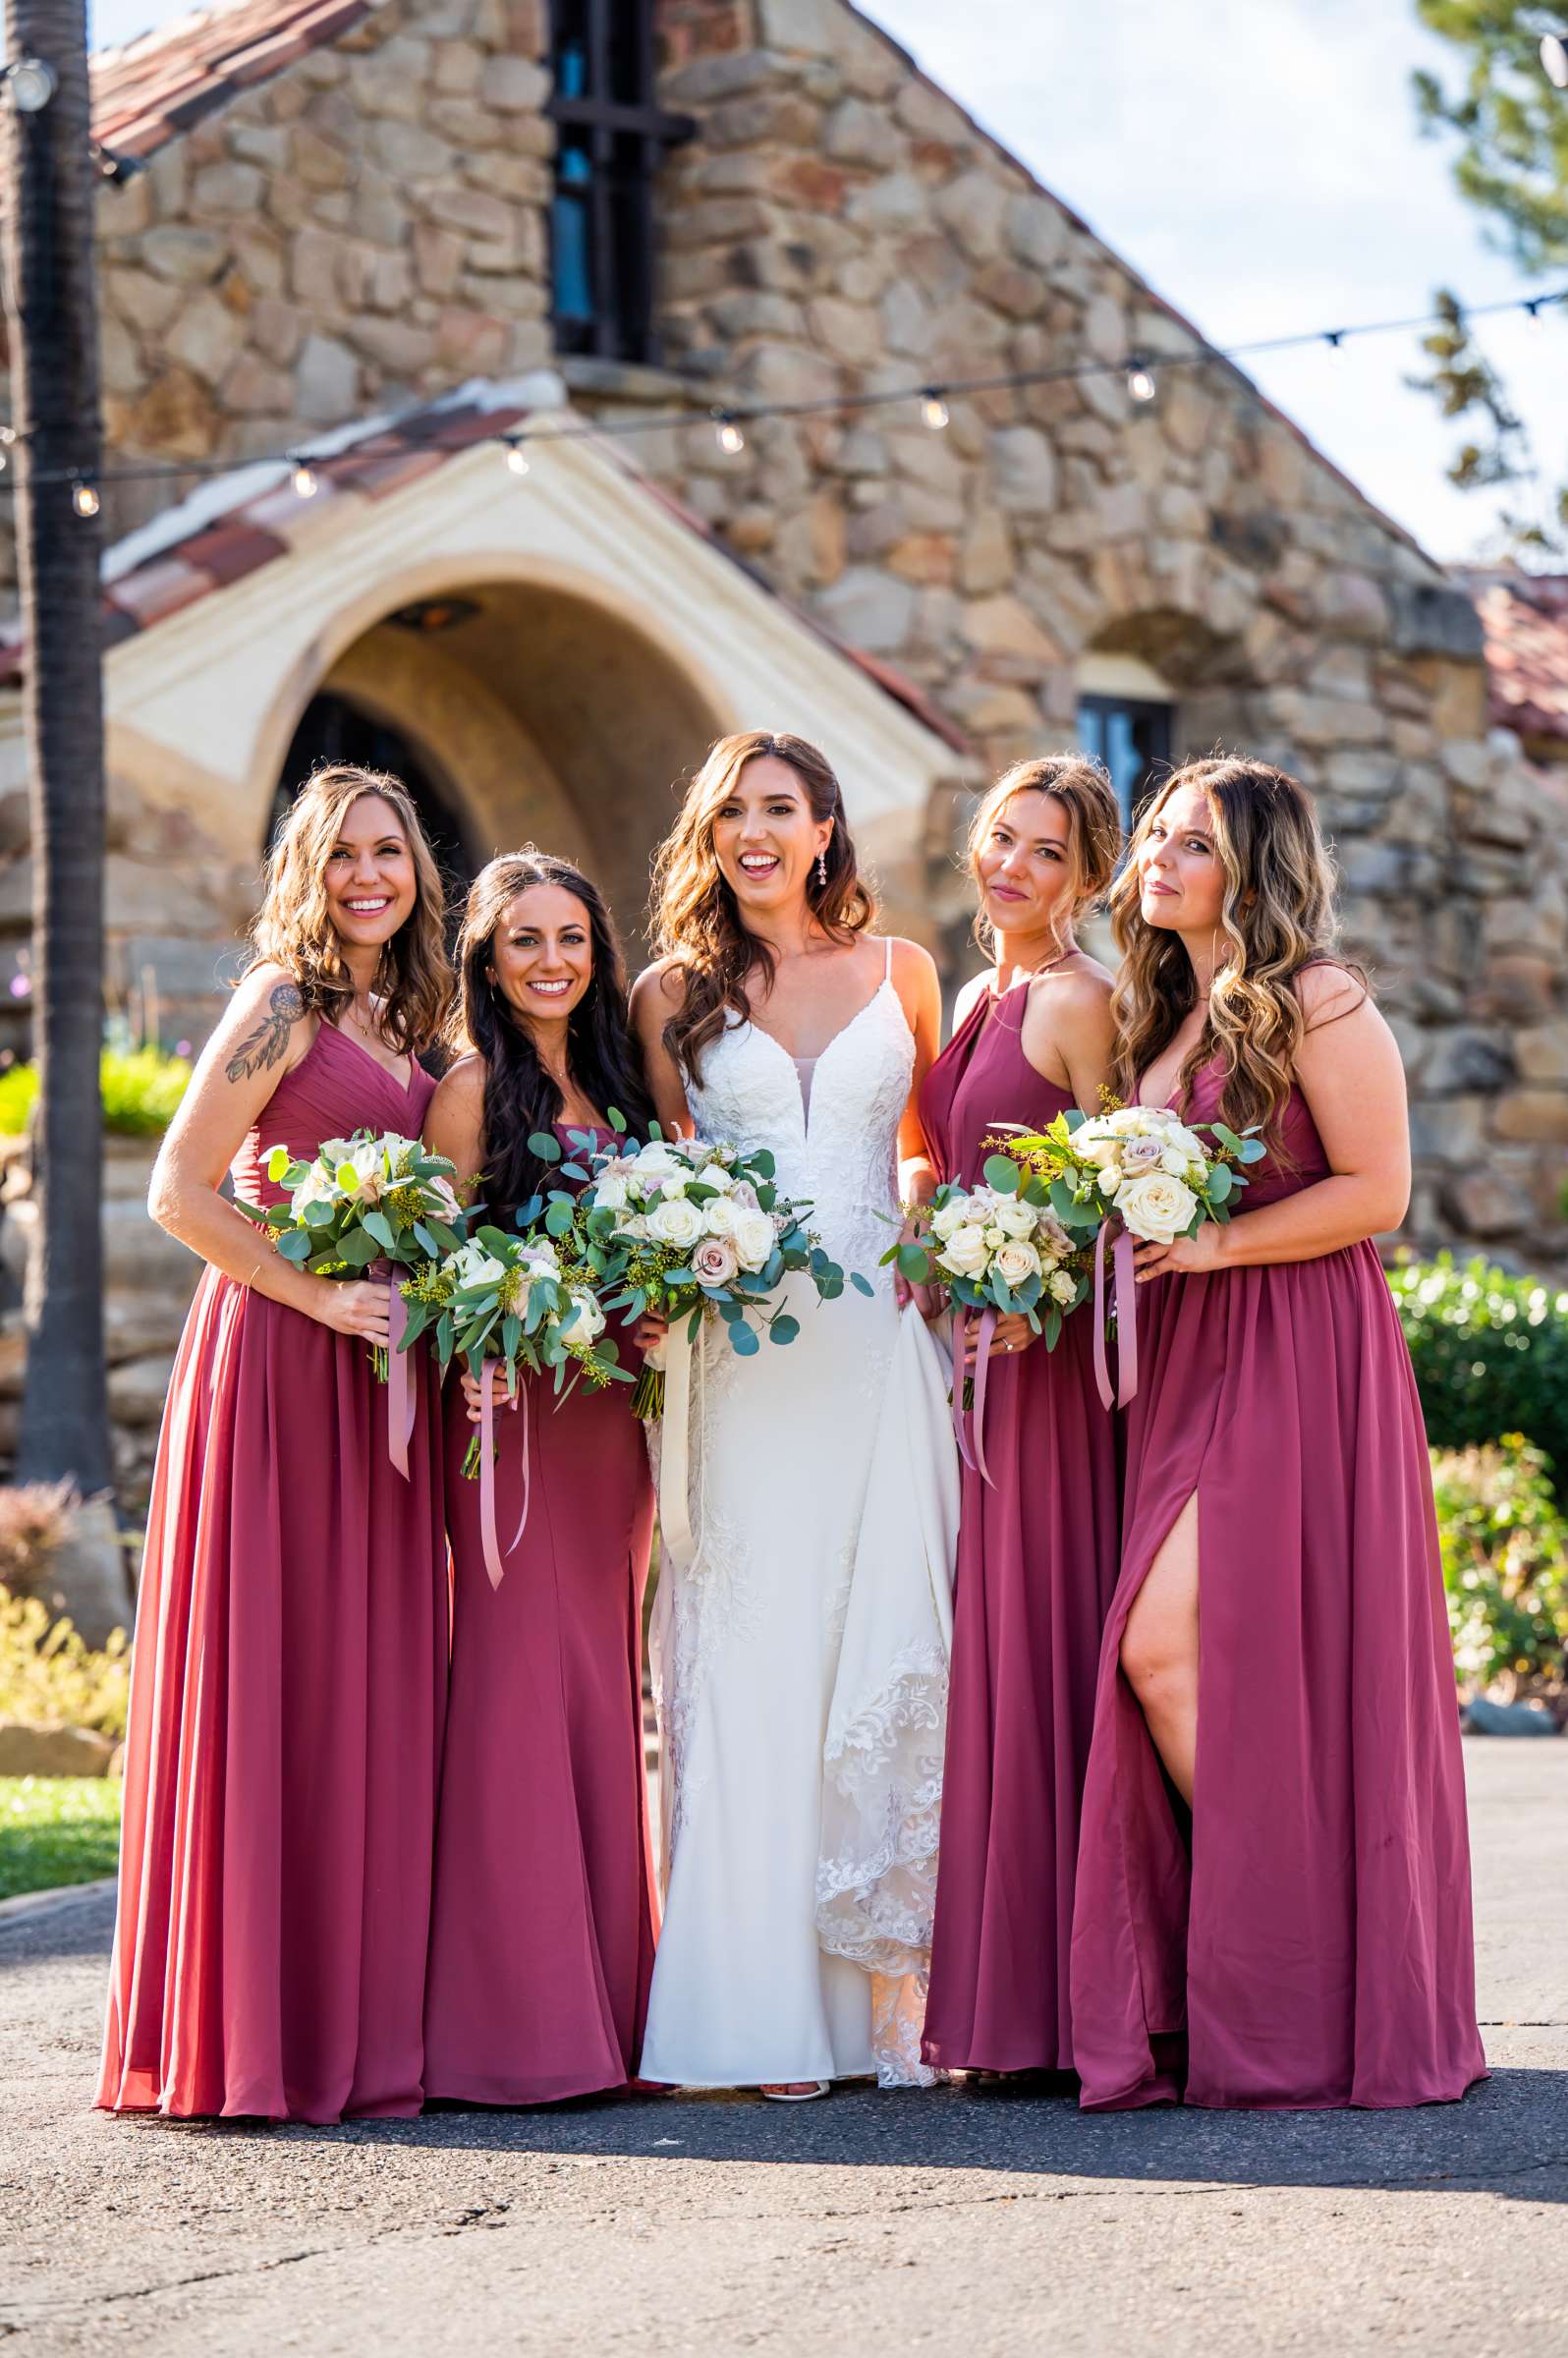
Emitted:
<point x="28" y="1903"/>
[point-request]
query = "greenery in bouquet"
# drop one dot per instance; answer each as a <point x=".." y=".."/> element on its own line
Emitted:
<point x="1000" y="1246"/>
<point x="690" y="1229"/>
<point x="361" y="1199"/>
<point x="1158" y="1176"/>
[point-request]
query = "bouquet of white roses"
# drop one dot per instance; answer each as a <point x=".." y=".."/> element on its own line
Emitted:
<point x="364" y="1200"/>
<point x="687" y="1228"/>
<point x="998" y="1247"/>
<point x="516" y="1299"/>
<point x="1141" y="1164"/>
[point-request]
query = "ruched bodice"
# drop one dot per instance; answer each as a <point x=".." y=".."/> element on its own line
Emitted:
<point x="337" y="1087"/>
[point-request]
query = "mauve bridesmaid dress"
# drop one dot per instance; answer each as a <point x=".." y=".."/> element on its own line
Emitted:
<point x="1314" y="1947"/>
<point x="287" y="1696"/>
<point x="1036" y="1566"/>
<point x="541" y="1940"/>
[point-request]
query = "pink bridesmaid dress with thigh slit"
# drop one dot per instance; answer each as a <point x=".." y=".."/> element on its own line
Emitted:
<point x="541" y="1945"/>
<point x="1036" y="1565"/>
<point x="1310" y="1946"/>
<point x="287" y="1695"/>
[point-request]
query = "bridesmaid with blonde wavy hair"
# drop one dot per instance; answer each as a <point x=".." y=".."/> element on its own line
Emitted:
<point x="1036" y="1542"/>
<point x="288" y="1681"/>
<point x="1273" y="1881"/>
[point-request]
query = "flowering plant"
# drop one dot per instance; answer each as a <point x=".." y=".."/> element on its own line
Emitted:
<point x="516" y="1299"/>
<point x="364" y="1199"/>
<point x="687" y="1228"/>
<point x="1141" y="1164"/>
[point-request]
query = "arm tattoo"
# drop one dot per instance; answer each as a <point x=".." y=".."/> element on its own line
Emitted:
<point x="264" y="1047"/>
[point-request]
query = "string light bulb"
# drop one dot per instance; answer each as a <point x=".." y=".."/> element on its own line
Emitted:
<point x="730" y="440"/>
<point x="516" y="458"/>
<point x="1141" y="381"/>
<point x="306" y="484"/>
<point x="84" y="499"/>
<point x="933" y="409"/>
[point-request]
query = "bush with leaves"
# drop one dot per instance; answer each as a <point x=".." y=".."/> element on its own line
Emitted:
<point x="48" y="1673"/>
<point x="1490" y="1354"/>
<point x="1504" y="1543"/>
<point x="141" y="1089"/>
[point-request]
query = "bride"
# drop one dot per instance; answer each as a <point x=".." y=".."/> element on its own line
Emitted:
<point x="772" y="1020"/>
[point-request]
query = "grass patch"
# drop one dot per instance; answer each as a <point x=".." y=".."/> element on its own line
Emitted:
<point x="57" y="1830"/>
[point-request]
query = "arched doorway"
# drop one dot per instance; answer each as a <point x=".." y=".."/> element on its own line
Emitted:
<point x="334" y="728"/>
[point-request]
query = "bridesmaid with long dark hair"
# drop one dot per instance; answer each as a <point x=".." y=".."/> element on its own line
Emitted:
<point x="1037" y="1547"/>
<point x="289" y="1674"/>
<point x="541" y="1945"/>
<point x="1273" y="1885"/>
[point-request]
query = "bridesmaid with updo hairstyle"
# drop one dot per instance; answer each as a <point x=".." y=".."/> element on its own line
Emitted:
<point x="1037" y="1545"/>
<point x="541" y="1942"/>
<point x="289" y="1676"/>
<point x="1273" y="1882"/>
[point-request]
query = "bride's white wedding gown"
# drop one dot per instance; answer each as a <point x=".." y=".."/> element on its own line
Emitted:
<point x="748" y="1633"/>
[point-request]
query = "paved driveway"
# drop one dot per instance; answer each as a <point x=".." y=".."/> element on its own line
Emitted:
<point x="952" y="2223"/>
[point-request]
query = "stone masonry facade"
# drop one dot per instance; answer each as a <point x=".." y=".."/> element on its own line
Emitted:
<point x="370" y="226"/>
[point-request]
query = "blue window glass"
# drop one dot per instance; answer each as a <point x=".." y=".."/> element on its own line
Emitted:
<point x="1132" y="740"/>
<point x="571" y="249"/>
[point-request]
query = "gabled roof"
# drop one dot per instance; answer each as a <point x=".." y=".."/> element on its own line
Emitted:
<point x="1525" y="618"/>
<point x="236" y="523"/>
<point x="157" y="87"/>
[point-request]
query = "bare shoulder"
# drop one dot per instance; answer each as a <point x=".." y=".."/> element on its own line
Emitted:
<point x="1073" y="1001"/>
<point x="265" y="1027"/>
<point x="1328" y="992"/>
<point x="462" y="1084"/>
<point x="660" y="986"/>
<point x="914" y="967"/>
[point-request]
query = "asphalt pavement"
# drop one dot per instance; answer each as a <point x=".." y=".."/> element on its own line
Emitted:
<point x="949" y="2221"/>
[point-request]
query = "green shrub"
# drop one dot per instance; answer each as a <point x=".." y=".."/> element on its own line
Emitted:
<point x="56" y="1830"/>
<point x="1504" y="1543"/>
<point x="1490" y="1354"/>
<point x="47" y="1672"/>
<point x="141" y="1088"/>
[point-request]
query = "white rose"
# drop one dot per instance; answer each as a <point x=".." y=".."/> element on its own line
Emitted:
<point x="745" y="1196"/>
<point x="719" y="1216"/>
<point x="634" y="1228"/>
<point x="653" y="1162"/>
<point x="675" y="1185"/>
<point x="1128" y="1121"/>
<point x="540" y="1254"/>
<point x="1110" y="1177"/>
<point x="584" y="1322"/>
<point x="993" y="1235"/>
<point x="360" y="1174"/>
<point x="676" y="1222"/>
<point x="475" y="1266"/>
<point x="1015" y="1218"/>
<point x="754" y="1239"/>
<point x="1093" y="1142"/>
<point x="610" y="1189"/>
<point x="713" y="1174"/>
<point x="1156" y="1207"/>
<point x="979" y="1207"/>
<point x="316" y="1187"/>
<point x="1174" y="1163"/>
<point x="948" y="1217"/>
<point x="965" y="1254"/>
<point x="1061" y="1287"/>
<point x="1016" y="1261"/>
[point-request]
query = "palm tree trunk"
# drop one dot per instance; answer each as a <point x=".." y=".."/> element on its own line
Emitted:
<point x="49" y="268"/>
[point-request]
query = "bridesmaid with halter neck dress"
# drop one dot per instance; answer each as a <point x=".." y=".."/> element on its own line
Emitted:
<point x="1036" y="1544"/>
<point x="1273" y="1904"/>
<point x="289" y="1674"/>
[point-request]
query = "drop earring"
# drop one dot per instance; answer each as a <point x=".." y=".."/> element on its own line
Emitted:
<point x="822" y="869"/>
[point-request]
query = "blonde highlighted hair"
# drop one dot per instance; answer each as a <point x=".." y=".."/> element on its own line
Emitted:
<point x="1094" y="828"/>
<point x="695" y="919"/>
<point x="293" y="928"/>
<point x="1277" y="917"/>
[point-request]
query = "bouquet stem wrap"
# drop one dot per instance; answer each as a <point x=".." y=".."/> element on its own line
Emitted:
<point x="401" y="1375"/>
<point x="675" y="1506"/>
<point x="494" y="1558"/>
<point x="969" y="1427"/>
<point x="1126" y="1300"/>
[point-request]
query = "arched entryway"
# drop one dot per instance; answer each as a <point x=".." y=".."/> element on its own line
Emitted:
<point x="517" y="712"/>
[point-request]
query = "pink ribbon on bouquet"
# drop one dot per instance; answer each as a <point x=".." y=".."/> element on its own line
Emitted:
<point x="969" y="1425"/>
<point x="402" y="1379"/>
<point x="1126" y="1300"/>
<point x="494" y="1560"/>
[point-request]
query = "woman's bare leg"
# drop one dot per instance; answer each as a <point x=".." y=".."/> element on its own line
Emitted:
<point x="1159" y="1649"/>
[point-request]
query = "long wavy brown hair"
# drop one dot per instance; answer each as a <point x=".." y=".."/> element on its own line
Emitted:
<point x="1277" y="916"/>
<point x="695" y="919"/>
<point x="520" y="1097"/>
<point x="1094" y="830"/>
<point x="293" y="929"/>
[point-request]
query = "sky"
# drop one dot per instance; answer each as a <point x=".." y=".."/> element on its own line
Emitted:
<point x="1258" y="162"/>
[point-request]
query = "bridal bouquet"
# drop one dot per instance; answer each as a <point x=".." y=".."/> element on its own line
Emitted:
<point x="361" y="1199"/>
<point x="687" y="1228"/>
<point x="512" y="1298"/>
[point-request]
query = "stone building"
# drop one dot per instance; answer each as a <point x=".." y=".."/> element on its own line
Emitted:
<point x="390" y="238"/>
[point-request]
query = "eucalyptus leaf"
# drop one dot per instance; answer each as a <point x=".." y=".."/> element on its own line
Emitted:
<point x="862" y="1285"/>
<point x="376" y="1224"/>
<point x="783" y="1329"/>
<point x="1001" y="1174"/>
<point x="544" y="1146"/>
<point x="295" y="1244"/>
<point x="743" y="1339"/>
